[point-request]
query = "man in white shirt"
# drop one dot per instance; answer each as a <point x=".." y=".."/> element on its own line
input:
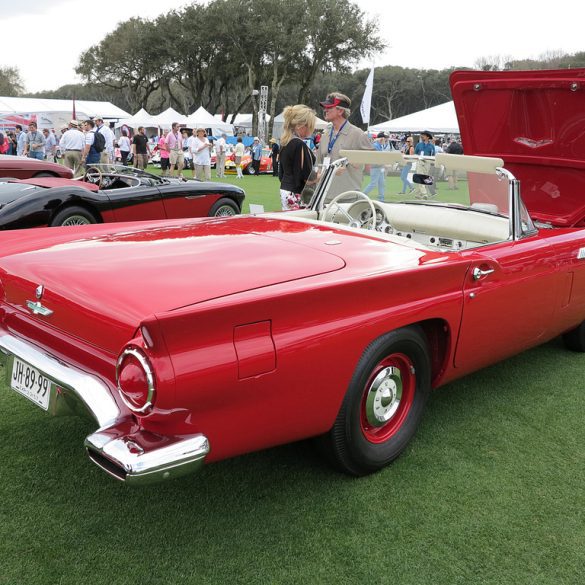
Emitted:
<point x="107" y="154"/>
<point x="220" y="150"/>
<point x="71" y="144"/>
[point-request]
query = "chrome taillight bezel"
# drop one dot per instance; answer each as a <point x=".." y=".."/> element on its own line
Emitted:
<point x="145" y="365"/>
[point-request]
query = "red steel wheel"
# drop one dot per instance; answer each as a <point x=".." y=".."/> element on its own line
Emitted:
<point x="388" y="397"/>
<point x="383" y="404"/>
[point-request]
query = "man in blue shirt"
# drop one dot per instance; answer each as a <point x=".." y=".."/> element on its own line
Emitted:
<point x="256" y="155"/>
<point x="423" y="167"/>
<point x="20" y="140"/>
<point x="425" y="147"/>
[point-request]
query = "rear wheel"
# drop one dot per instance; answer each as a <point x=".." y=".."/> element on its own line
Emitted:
<point x="224" y="208"/>
<point x="250" y="170"/>
<point x="575" y="339"/>
<point x="73" y="216"/>
<point x="383" y="404"/>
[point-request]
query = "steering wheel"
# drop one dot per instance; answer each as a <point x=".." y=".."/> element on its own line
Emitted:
<point x="93" y="175"/>
<point x="369" y="223"/>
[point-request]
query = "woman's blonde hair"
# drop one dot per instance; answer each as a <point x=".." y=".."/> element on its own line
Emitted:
<point x="295" y="116"/>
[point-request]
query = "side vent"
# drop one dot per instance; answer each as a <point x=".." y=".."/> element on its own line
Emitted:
<point x="255" y="349"/>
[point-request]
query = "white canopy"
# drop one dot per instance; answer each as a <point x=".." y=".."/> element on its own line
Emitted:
<point x="201" y="118"/>
<point x="52" y="113"/>
<point x="441" y="118"/>
<point x="245" y="121"/>
<point x="140" y="118"/>
<point x="167" y="118"/>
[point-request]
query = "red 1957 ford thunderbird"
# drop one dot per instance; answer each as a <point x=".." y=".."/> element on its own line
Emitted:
<point x="189" y="341"/>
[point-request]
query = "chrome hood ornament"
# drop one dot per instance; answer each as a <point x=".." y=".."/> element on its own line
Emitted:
<point x="36" y="307"/>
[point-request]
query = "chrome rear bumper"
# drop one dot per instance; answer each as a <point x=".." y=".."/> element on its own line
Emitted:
<point x="120" y="447"/>
<point x="139" y="457"/>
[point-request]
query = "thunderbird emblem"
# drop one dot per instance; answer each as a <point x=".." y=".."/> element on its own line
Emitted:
<point x="36" y="307"/>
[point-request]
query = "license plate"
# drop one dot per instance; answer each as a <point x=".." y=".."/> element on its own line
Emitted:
<point x="31" y="383"/>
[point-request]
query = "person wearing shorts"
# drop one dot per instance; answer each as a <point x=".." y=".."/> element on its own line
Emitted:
<point x="176" y="156"/>
<point x="140" y="149"/>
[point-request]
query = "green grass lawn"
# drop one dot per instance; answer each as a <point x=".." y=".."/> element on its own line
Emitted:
<point x="265" y="189"/>
<point x="491" y="491"/>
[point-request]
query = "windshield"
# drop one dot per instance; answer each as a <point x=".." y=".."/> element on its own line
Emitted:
<point x="414" y="181"/>
<point x="115" y="169"/>
<point x="427" y="199"/>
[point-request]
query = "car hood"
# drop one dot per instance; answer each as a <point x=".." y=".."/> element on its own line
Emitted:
<point x="102" y="284"/>
<point x="12" y="191"/>
<point x="535" y="121"/>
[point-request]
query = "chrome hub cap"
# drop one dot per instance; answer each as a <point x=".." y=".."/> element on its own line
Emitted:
<point x="384" y="396"/>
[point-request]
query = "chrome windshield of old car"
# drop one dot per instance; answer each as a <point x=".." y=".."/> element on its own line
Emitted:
<point x="122" y="170"/>
<point x="471" y="187"/>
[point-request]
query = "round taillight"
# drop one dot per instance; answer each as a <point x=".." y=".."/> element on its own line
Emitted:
<point x="135" y="380"/>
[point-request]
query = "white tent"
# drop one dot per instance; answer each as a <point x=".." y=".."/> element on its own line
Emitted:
<point x="167" y="118"/>
<point x="140" y="118"/>
<point x="245" y="121"/>
<point x="438" y="119"/>
<point x="279" y="123"/>
<point x="52" y="113"/>
<point x="201" y="118"/>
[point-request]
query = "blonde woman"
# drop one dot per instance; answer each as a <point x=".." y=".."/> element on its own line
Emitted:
<point x="296" y="159"/>
<point x="238" y="154"/>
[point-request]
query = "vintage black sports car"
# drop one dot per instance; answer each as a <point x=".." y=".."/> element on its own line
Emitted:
<point x="111" y="193"/>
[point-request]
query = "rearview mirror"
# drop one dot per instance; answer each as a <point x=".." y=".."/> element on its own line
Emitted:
<point x="423" y="179"/>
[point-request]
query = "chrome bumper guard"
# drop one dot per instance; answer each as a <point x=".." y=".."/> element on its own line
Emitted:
<point x="139" y="457"/>
<point x="119" y="446"/>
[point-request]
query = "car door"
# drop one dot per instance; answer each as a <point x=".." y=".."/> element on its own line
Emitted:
<point x="509" y="296"/>
<point x="188" y="199"/>
<point x="136" y="203"/>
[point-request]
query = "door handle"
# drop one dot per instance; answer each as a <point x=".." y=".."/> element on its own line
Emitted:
<point x="479" y="273"/>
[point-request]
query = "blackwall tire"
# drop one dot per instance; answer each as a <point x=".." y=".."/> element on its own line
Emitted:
<point x="575" y="339"/>
<point x="383" y="404"/>
<point x="224" y="208"/>
<point x="73" y="216"/>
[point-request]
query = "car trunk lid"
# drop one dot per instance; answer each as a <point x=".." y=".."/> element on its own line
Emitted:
<point x="535" y="121"/>
<point x="100" y="287"/>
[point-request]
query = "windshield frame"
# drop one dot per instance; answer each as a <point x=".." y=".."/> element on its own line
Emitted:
<point x="521" y="224"/>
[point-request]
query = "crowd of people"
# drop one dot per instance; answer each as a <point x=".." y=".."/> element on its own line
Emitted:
<point x="293" y="157"/>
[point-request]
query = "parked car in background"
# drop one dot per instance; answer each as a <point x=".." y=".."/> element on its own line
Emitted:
<point x="22" y="167"/>
<point x="247" y="167"/>
<point x="227" y="335"/>
<point x="111" y="193"/>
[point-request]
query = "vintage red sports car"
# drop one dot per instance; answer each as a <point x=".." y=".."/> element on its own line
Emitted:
<point x="193" y="341"/>
<point x="22" y="167"/>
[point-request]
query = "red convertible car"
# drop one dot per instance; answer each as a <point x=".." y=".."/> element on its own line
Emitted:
<point x="111" y="193"/>
<point x="22" y="167"/>
<point x="223" y="336"/>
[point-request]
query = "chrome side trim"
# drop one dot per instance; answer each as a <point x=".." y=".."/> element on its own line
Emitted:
<point x="139" y="457"/>
<point x="76" y="388"/>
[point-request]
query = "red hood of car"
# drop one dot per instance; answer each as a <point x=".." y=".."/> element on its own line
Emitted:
<point x="50" y="182"/>
<point x="535" y="121"/>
